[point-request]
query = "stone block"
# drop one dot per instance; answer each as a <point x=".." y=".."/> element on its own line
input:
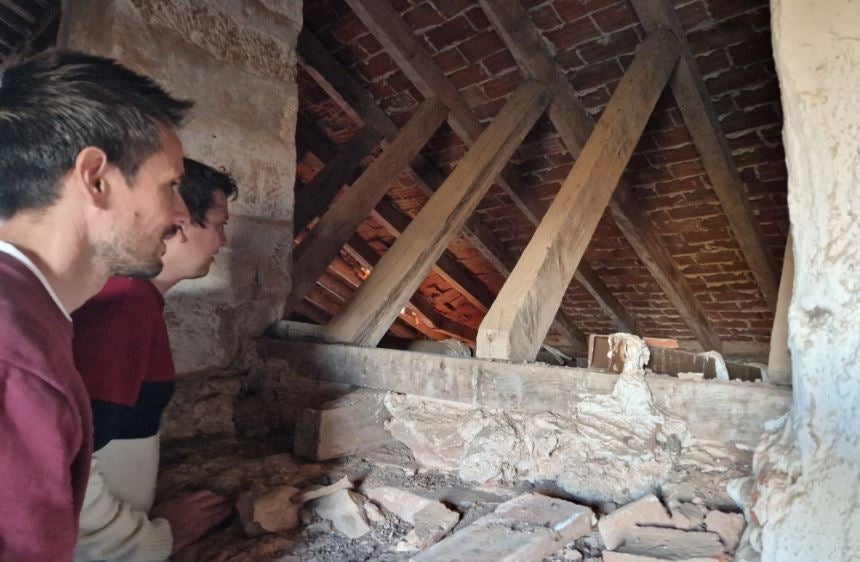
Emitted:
<point x="728" y="526"/>
<point x="345" y="510"/>
<point x="644" y="511"/>
<point x="272" y="511"/>
<point x="672" y="544"/>
<point x="402" y="503"/>
<point x="432" y="523"/>
<point x="526" y="528"/>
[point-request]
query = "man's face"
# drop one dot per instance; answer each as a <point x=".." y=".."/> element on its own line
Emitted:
<point x="147" y="212"/>
<point x="190" y="254"/>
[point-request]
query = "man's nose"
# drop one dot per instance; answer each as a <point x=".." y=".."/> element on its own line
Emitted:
<point x="179" y="211"/>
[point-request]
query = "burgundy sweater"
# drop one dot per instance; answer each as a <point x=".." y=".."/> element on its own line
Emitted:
<point x="45" y="423"/>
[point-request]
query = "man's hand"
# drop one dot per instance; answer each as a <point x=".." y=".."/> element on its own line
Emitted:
<point x="191" y="515"/>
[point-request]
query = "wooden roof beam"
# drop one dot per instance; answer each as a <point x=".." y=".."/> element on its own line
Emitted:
<point x="575" y="126"/>
<point x="516" y="325"/>
<point x="400" y="271"/>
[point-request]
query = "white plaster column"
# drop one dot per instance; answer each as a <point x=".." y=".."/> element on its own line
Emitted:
<point x="807" y="492"/>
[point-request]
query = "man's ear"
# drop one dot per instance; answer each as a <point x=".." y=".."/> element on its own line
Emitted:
<point x="89" y="176"/>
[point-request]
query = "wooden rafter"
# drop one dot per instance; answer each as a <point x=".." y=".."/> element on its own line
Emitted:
<point x="574" y="125"/>
<point x="312" y="199"/>
<point x="699" y="114"/>
<point x="414" y="60"/>
<point x="336" y="81"/>
<point x="345" y="215"/>
<point x="395" y="221"/>
<point x="514" y="329"/>
<point x="401" y="270"/>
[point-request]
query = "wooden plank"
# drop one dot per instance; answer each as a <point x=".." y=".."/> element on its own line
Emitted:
<point x="699" y="114"/>
<point x="404" y="266"/>
<point x="528" y="527"/>
<point x="434" y="325"/>
<point x="514" y="328"/>
<point x="575" y="126"/>
<point x="350" y="425"/>
<point x="415" y="61"/>
<point x="344" y="216"/>
<point x="453" y="272"/>
<point x="731" y="412"/>
<point x="313" y="198"/>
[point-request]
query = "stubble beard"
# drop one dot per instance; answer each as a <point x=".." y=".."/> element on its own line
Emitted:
<point x="122" y="257"/>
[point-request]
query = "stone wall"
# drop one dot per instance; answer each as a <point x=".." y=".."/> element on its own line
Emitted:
<point x="236" y="59"/>
<point x="805" y="501"/>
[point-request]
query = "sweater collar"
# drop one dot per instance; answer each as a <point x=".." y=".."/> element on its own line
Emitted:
<point x="13" y="251"/>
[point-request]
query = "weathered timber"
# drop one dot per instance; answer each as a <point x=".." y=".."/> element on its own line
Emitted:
<point x="779" y="357"/>
<point x="401" y="270"/>
<point x="415" y="61"/>
<point x="528" y="527"/>
<point x="345" y="215"/>
<point x="313" y="198"/>
<point x="355" y="100"/>
<point x="702" y="122"/>
<point x="514" y="328"/>
<point x="731" y="412"/>
<point x="575" y="126"/>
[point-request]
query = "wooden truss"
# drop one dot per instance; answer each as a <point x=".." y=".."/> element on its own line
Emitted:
<point x="518" y="320"/>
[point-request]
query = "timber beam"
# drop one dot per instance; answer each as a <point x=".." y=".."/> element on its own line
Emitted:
<point x="713" y="410"/>
<point x="516" y="325"/>
<point x="400" y="271"/>
<point x="575" y="126"/>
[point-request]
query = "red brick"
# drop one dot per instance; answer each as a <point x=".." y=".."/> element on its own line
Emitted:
<point x="422" y="16"/>
<point x="478" y="18"/>
<point x="500" y="62"/>
<point x="370" y="44"/>
<point x="378" y="66"/>
<point x="729" y="32"/>
<point x="572" y="34"/>
<point x="474" y="96"/>
<point x="450" y="60"/>
<point x="619" y="43"/>
<point x="729" y="8"/>
<point x="673" y="155"/>
<point x="545" y="17"/>
<point x="758" y="49"/>
<point x="489" y="110"/>
<point x="454" y="31"/>
<point x="615" y="17"/>
<point x="569" y="60"/>
<point x="596" y="99"/>
<point x="450" y="8"/>
<point x="713" y="62"/>
<point x="766" y="93"/>
<point x="468" y="76"/>
<point x="348" y="29"/>
<point x="692" y="15"/>
<point x="596" y="75"/>
<point x="735" y="79"/>
<point x="672" y="137"/>
<point x="771" y="171"/>
<point x="740" y="120"/>
<point x="693" y="211"/>
<point x="706" y="236"/>
<point x="686" y="169"/>
<point x="481" y="46"/>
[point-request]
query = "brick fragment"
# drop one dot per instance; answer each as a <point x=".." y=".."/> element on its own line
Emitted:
<point x="728" y="526"/>
<point x="644" y="511"/>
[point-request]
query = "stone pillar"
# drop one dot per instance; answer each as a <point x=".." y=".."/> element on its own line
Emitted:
<point x="806" y="497"/>
<point x="237" y="60"/>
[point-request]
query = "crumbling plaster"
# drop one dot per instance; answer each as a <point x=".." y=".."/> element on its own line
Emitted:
<point x="807" y="493"/>
<point x="237" y="61"/>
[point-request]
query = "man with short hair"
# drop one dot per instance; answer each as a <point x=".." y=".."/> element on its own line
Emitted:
<point x="122" y="350"/>
<point x="89" y="166"/>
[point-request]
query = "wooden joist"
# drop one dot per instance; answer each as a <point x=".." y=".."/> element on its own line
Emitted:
<point x="699" y="114"/>
<point x="575" y="126"/>
<point x="313" y="198"/>
<point x="418" y="313"/>
<point x="345" y="215"/>
<point x="415" y="61"/>
<point x="514" y="328"/>
<point x="714" y="410"/>
<point x="400" y="271"/>
<point x="355" y="100"/>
